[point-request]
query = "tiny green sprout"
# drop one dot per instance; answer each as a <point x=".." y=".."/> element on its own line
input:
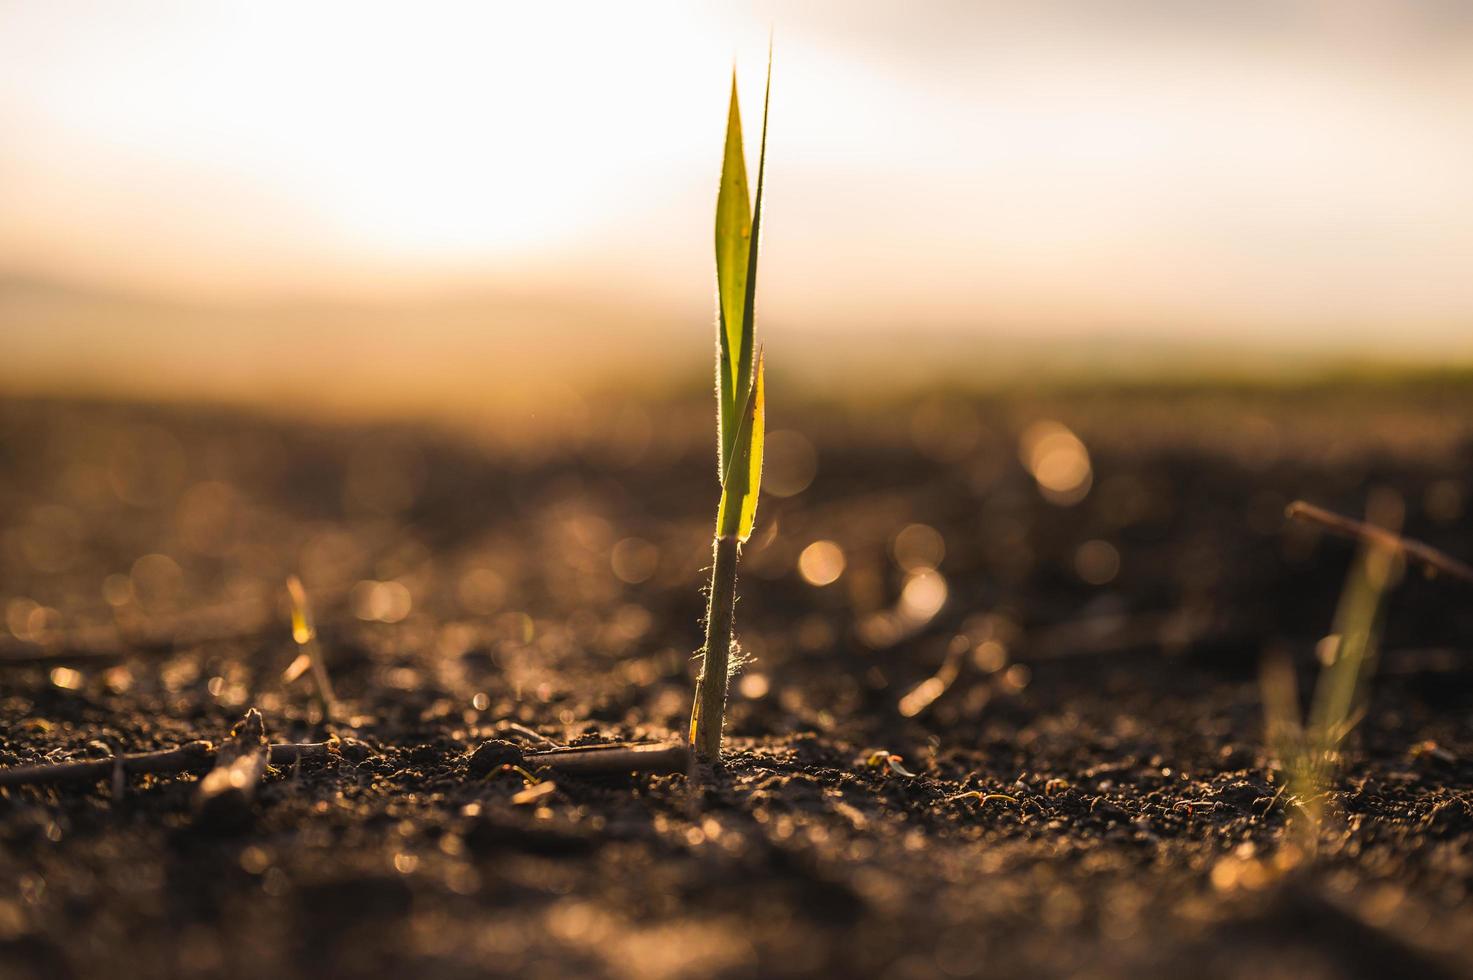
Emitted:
<point x="741" y="415"/>
<point x="983" y="798"/>
<point x="304" y="633"/>
<point x="528" y="778"/>
<point x="884" y="758"/>
<point x="1309" y="749"/>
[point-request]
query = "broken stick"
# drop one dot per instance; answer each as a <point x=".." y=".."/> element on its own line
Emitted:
<point x="224" y="796"/>
<point x="192" y="757"/>
<point x="660" y="758"/>
<point x="1430" y="558"/>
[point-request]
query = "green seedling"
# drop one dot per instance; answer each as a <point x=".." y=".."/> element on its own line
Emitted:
<point x="740" y="417"/>
<point x="309" y="656"/>
<point x="983" y="798"/>
<point x="1309" y="749"/>
<point x="885" y="759"/>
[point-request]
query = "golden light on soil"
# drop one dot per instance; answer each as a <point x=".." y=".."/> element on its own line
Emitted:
<point x="634" y="560"/>
<point x="117" y="589"/>
<point x="922" y="696"/>
<point x="384" y="602"/>
<point x="923" y="595"/>
<point x="789" y="463"/>
<point x="990" y="656"/>
<point x="1017" y="677"/>
<point x="1057" y="459"/>
<point x="1097" y="562"/>
<point x="754" y="685"/>
<point x="481" y="591"/>
<point x="157" y="580"/>
<point x="1443" y="501"/>
<point x="27" y="619"/>
<point x="918" y="546"/>
<point x="821" y="563"/>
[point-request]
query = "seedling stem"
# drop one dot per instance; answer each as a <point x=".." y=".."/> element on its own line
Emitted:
<point x="741" y="416"/>
<point x="716" y="665"/>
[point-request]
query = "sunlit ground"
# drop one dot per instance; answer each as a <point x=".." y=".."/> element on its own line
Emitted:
<point x="1062" y="304"/>
<point x="1003" y="656"/>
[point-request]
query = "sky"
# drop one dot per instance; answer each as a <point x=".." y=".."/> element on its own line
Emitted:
<point x="1269" y="173"/>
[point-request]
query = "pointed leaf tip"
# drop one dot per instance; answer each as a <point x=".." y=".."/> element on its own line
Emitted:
<point x="733" y="241"/>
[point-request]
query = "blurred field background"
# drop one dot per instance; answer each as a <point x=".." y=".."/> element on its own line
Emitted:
<point x="451" y="208"/>
<point x="1063" y="302"/>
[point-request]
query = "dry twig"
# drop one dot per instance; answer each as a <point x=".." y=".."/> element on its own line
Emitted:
<point x="662" y="758"/>
<point x="225" y="795"/>
<point x="195" y="757"/>
<point x="1430" y="558"/>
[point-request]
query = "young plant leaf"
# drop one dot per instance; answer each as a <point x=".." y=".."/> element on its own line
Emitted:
<point x="749" y="303"/>
<point x="741" y="419"/>
<point x="733" y="250"/>
<point x="743" y="481"/>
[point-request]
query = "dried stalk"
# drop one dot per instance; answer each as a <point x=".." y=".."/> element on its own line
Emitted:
<point x="193" y="757"/>
<point x="1413" y="550"/>
<point x="662" y="758"/>
<point x="225" y="795"/>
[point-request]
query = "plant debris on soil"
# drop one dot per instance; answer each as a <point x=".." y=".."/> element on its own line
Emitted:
<point x="1012" y="736"/>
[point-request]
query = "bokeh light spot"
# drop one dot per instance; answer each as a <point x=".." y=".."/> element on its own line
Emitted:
<point x="754" y="685"/>
<point x="789" y="463"/>
<point x="634" y="560"/>
<point x="821" y="563"/>
<point x="923" y="595"/>
<point x="918" y="546"/>
<point x="1097" y="562"/>
<point x="384" y="602"/>
<point x="1058" y="460"/>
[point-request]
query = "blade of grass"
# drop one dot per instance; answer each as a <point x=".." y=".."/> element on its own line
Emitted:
<point x="304" y="632"/>
<point x="1357" y="633"/>
<point x="743" y="483"/>
<point x="1309" y="753"/>
<point x="733" y="252"/>
<point x="749" y="303"/>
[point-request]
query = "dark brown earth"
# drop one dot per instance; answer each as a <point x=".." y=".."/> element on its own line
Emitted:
<point x="1091" y="795"/>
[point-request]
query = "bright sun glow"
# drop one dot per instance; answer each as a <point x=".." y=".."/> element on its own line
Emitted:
<point x="445" y="131"/>
<point x="980" y="166"/>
